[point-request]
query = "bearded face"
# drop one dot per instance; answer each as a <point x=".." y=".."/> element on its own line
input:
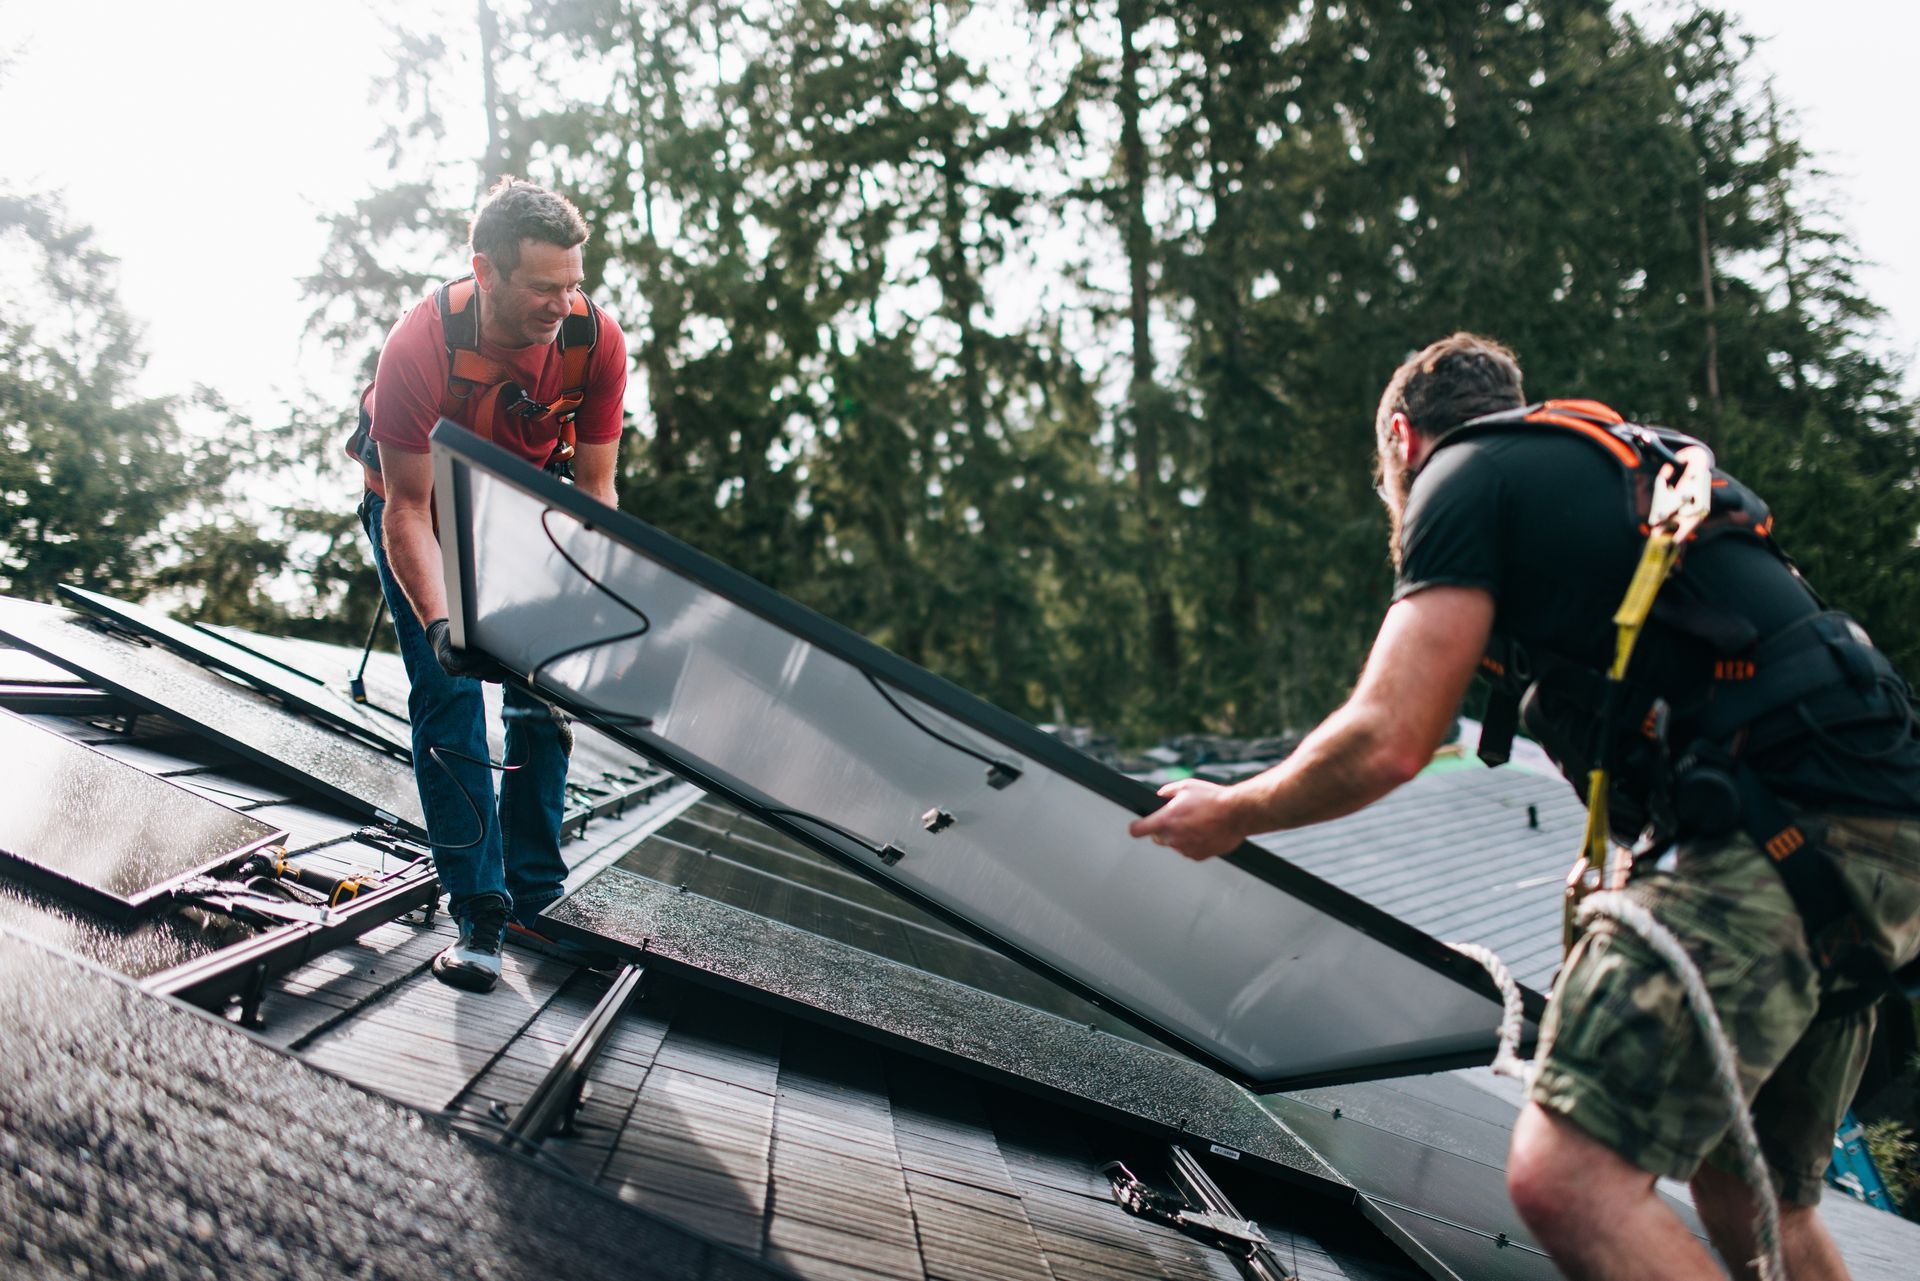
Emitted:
<point x="1393" y="478"/>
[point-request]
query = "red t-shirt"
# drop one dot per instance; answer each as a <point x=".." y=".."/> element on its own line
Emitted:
<point x="411" y="381"/>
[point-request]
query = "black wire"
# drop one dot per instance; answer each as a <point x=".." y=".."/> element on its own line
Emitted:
<point x="875" y="850"/>
<point x="610" y="718"/>
<point x="437" y="753"/>
<point x="603" y="715"/>
<point x="928" y="730"/>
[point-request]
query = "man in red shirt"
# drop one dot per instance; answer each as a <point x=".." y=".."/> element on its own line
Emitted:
<point x="502" y="354"/>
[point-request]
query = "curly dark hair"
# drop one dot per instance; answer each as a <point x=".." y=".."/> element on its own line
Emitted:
<point x="1445" y="383"/>
<point x="515" y="210"/>
<point x="1438" y="387"/>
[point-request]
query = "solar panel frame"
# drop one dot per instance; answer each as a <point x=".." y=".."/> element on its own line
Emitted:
<point x="35" y="869"/>
<point x="459" y="456"/>
<point x="309" y="695"/>
<point x="233" y="714"/>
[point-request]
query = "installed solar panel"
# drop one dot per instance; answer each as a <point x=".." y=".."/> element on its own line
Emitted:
<point x="17" y="667"/>
<point x="304" y="694"/>
<point x="1246" y="962"/>
<point x="104" y="835"/>
<point x="364" y="779"/>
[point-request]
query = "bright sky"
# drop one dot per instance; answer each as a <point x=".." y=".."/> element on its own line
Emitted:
<point x="202" y="139"/>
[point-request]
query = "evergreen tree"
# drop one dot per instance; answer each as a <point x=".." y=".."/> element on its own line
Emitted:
<point x="1128" y="483"/>
<point x="96" y="479"/>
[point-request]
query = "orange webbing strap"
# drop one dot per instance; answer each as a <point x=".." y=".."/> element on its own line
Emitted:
<point x="473" y="390"/>
<point x="1552" y="412"/>
<point x="579" y="335"/>
<point x="1589" y="408"/>
<point x="469" y="374"/>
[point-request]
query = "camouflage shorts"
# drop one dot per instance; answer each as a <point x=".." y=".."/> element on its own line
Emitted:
<point x="1622" y="1059"/>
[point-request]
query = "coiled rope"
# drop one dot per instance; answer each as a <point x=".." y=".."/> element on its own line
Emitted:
<point x="1625" y="912"/>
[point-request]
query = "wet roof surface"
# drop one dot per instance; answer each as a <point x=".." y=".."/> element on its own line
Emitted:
<point x="818" y="1150"/>
<point x="818" y="1077"/>
<point x="143" y="1139"/>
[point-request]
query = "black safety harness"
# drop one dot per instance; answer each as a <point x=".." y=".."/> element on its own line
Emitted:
<point x="1821" y="674"/>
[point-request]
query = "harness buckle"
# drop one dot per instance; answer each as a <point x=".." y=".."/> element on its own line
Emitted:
<point x="515" y="401"/>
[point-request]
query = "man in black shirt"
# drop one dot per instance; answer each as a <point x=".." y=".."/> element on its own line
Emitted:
<point x="1522" y="532"/>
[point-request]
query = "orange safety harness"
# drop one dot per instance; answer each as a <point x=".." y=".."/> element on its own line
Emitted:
<point x="480" y="388"/>
<point x="1761" y="693"/>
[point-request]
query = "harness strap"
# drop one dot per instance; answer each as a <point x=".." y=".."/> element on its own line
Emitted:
<point x="1824" y="667"/>
<point x="1497" y="726"/>
<point x="1681" y="501"/>
<point x="1823" y="654"/>
<point x="480" y="388"/>
<point x="469" y="373"/>
<point x="1854" y="976"/>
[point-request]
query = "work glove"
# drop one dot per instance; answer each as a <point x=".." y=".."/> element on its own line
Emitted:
<point x="455" y="661"/>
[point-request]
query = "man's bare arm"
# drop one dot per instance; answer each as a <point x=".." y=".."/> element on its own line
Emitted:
<point x="593" y="468"/>
<point x="413" y="552"/>
<point x="1422" y="661"/>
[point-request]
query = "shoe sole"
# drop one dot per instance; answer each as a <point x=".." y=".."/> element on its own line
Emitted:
<point x="464" y="977"/>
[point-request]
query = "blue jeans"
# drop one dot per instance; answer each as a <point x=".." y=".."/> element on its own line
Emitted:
<point x="514" y="850"/>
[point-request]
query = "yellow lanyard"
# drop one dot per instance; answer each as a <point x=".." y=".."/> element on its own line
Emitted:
<point x="1679" y="505"/>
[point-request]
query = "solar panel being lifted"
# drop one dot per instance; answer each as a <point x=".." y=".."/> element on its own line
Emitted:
<point x="104" y="835"/>
<point x="1251" y="965"/>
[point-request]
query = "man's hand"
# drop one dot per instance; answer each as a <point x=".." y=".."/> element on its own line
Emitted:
<point x="1427" y="651"/>
<point x="456" y="661"/>
<point x="1198" y="820"/>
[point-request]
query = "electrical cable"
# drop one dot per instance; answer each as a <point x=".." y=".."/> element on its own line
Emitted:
<point x="603" y="716"/>
<point x="999" y="772"/>
<point x="438" y="755"/>
<point x="995" y="768"/>
<point x="888" y="854"/>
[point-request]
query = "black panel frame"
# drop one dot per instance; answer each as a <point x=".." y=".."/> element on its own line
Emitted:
<point x="577" y="812"/>
<point x="245" y="969"/>
<point x="128" y="909"/>
<point x="99" y="605"/>
<point x="453" y="491"/>
<point x="221" y="737"/>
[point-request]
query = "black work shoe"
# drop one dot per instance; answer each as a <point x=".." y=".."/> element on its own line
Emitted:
<point x="525" y="936"/>
<point x="473" y="962"/>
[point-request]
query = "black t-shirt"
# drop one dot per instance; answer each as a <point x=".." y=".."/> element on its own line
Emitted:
<point x="1544" y="521"/>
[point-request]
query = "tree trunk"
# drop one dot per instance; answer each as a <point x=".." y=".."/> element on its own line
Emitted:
<point x="1163" y="637"/>
<point x="1707" y="302"/>
<point x="494" y="164"/>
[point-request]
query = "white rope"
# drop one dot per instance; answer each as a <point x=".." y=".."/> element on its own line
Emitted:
<point x="1626" y="912"/>
<point x="1506" y="1059"/>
